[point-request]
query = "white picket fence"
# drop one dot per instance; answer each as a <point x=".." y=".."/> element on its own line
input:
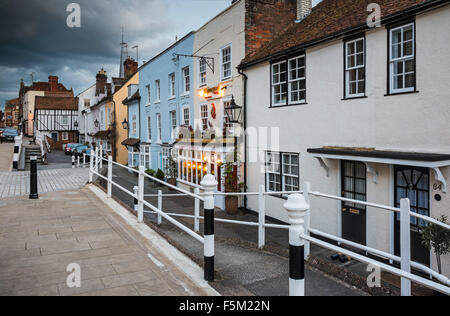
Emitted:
<point x="299" y="227"/>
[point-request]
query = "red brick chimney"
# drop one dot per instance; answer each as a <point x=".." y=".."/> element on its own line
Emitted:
<point x="101" y="82"/>
<point x="53" y="80"/>
<point x="266" y="20"/>
<point x="130" y="67"/>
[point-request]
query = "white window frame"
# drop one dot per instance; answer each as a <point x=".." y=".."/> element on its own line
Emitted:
<point x="280" y="173"/>
<point x="204" y="116"/>
<point x="292" y="81"/>
<point x="202" y="69"/>
<point x="158" y="90"/>
<point x="188" y="117"/>
<point x="64" y="120"/>
<point x="64" y="136"/>
<point x="186" y="80"/>
<point x="148" y="88"/>
<point x="149" y="129"/>
<point x="172" y="87"/>
<point x="173" y="123"/>
<point x="134" y="123"/>
<point x="145" y="157"/>
<point x="224" y="77"/>
<point x="165" y="155"/>
<point x="356" y="67"/>
<point x="279" y="83"/>
<point x="158" y="127"/>
<point x="226" y="120"/>
<point x="403" y="59"/>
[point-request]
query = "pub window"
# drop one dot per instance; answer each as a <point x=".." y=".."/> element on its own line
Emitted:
<point x="204" y="116"/>
<point x="355" y="68"/>
<point x="225" y="54"/>
<point x="202" y="71"/>
<point x="402" y="60"/>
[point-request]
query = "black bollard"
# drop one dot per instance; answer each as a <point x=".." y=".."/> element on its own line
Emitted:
<point x="33" y="179"/>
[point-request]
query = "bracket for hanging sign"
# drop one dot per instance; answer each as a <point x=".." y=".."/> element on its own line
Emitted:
<point x="209" y="60"/>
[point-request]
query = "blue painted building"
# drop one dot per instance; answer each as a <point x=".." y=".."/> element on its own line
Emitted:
<point x="166" y="102"/>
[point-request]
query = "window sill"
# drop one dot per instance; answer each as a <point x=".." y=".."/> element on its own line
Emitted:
<point x="148" y="104"/>
<point x="186" y="94"/>
<point x="400" y="93"/>
<point x="286" y="105"/>
<point x="171" y="98"/>
<point x="283" y="197"/>
<point x="354" y="98"/>
<point x="157" y="102"/>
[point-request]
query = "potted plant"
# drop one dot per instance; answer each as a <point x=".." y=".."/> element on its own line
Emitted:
<point x="437" y="238"/>
<point x="172" y="171"/>
<point x="232" y="185"/>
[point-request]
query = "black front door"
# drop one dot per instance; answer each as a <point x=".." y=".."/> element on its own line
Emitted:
<point x="354" y="215"/>
<point x="413" y="183"/>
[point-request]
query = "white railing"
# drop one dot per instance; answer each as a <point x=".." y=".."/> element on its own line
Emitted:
<point x="298" y="208"/>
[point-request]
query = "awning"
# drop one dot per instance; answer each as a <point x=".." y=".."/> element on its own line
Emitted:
<point x="370" y="156"/>
<point x="133" y="142"/>
<point x="103" y="135"/>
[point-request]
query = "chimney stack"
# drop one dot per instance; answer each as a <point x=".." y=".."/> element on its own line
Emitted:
<point x="130" y="67"/>
<point x="101" y="82"/>
<point x="303" y="9"/>
<point x="53" y="80"/>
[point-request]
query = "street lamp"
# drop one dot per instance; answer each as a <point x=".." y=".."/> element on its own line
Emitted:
<point x="125" y="124"/>
<point x="96" y="123"/>
<point x="75" y="124"/>
<point x="234" y="112"/>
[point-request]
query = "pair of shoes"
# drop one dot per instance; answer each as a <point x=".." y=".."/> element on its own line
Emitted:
<point x="335" y="257"/>
<point x="344" y="258"/>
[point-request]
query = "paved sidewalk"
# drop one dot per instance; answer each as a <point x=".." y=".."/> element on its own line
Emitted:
<point x="40" y="238"/>
<point x="6" y="156"/>
<point x="18" y="183"/>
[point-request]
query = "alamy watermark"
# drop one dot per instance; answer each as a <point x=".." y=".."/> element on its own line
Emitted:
<point x="74" y="18"/>
<point x="374" y="278"/>
<point x="374" y="18"/>
<point x="74" y="278"/>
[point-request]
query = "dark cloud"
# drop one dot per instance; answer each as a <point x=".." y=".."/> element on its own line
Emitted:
<point x="34" y="37"/>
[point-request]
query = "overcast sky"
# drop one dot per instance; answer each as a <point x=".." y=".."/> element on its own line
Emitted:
<point x="34" y="36"/>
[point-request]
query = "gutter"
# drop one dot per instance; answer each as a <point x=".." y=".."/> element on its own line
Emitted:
<point x="386" y="20"/>
<point x="240" y="71"/>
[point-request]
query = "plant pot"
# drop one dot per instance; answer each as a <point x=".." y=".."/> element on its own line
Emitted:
<point x="231" y="205"/>
<point x="172" y="181"/>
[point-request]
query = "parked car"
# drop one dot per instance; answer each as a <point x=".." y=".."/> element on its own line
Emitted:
<point x="9" y="133"/>
<point x="70" y="147"/>
<point x="80" y="150"/>
<point x="1" y="135"/>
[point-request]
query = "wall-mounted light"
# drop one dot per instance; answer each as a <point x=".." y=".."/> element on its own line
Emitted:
<point x="125" y="124"/>
<point x="96" y="123"/>
<point x="234" y="112"/>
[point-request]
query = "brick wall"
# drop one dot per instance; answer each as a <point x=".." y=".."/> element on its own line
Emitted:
<point x="59" y="144"/>
<point x="264" y="20"/>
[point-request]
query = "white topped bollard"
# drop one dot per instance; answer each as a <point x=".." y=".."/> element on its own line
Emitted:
<point x="296" y="207"/>
<point x="209" y="184"/>
<point x="73" y="161"/>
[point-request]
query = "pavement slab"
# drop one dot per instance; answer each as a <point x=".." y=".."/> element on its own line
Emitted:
<point x="40" y="238"/>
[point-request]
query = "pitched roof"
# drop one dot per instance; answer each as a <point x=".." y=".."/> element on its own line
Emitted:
<point x="135" y="97"/>
<point x="332" y="18"/>
<point x="131" y="142"/>
<point x="56" y="103"/>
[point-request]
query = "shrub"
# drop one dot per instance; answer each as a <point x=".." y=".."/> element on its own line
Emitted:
<point x="160" y="175"/>
<point x="150" y="172"/>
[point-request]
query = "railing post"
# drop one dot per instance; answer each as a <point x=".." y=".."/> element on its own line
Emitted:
<point x="33" y="179"/>
<point x="101" y="156"/>
<point x="296" y="207"/>
<point x="91" y="167"/>
<point x="306" y="190"/>
<point x="160" y="197"/>
<point x="405" y="244"/>
<point x="73" y="162"/>
<point x="96" y="159"/>
<point x="261" y="217"/>
<point x="84" y="160"/>
<point x="136" y="202"/>
<point x="110" y="172"/>
<point x="78" y="161"/>
<point x="141" y="194"/>
<point x="209" y="184"/>
<point x="197" y="211"/>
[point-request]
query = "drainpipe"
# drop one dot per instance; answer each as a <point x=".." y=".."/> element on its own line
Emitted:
<point x="240" y="71"/>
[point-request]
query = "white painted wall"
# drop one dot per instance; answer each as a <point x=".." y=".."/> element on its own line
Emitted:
<point x="28" y="106"/>
<point x="411" y="122"/>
